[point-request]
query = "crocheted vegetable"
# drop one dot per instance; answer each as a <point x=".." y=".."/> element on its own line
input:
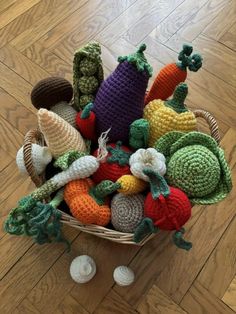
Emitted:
<point x="88" y="203"/>
<point x="144" y="158"/>
<point x="59" y="135"/>
<point x="130" y="184"/>
<point x="168" y="207"/>
<point x="115" y="165"/>
<point x="54" y="93"/>
<point x="87" y="74"/>
<point x="196" y="165"/>
<point x="139" y="134"/>
<point x="85" y="121"/>
<point x="41" y="157"/>
<point x="173" y="74"/>
<point x="64" y="161"/>
<point x="120" y="98"/>
<point x="170" y="115"/>
<point x="39" y="220"/>
<point x="126" y="211"/>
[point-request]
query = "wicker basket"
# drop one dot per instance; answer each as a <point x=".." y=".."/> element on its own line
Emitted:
<point x="34" y="136"/>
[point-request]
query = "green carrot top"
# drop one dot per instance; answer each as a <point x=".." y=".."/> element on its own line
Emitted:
<point x="139" y="60"/>
<point x="187" y="60"/>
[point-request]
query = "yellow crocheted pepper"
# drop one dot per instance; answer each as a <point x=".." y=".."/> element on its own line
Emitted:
<point x="130" y="184"/>
<point x="170" y="115"/>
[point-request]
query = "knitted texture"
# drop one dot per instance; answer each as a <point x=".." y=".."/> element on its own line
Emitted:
<point x="41" y="157"/>
<point x="120" y="98"/>
<point x="147" y="158"/>
<point x="196" y="165"/>
<point x="67" y="159"/>
<point x="139" y="134"/>
<point x="84" y="207"/>
<point x="168" y="213"/>
<point x="85" y="121"/>
<point x="66" y="112"/>
<point x="87" y="74"/>
<point x="173" y="74"/>
<point x="115" y="164"/>
<point x="130" y="184"/>
<point x="172" y="115"/>
<point x="50" y="91"/>
<point x="59" y="135"/>
<point x="126" y="211"/>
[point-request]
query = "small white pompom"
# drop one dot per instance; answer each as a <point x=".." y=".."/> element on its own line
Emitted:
<point x="123" y="276"/>
<point x="82" y="269"/>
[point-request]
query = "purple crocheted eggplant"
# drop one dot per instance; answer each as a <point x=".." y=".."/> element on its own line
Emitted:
<point x="120" y="98"/>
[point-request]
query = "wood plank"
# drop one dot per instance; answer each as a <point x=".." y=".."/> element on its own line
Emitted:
<point x="58" y="281"/>
<point x="17" y="283"/>
<point x="26" y="307"/>
<point x="21" y="65"/>
<point x="15" y="10"/>
<point x="45" y="24"/>
<point x="157" y="302"/>
<point x="228" y="39"/>
<point x="16" y="114"/>
<point x="11" y="139"/>
<point x="16" y="86"/>
<point x="5" y="160"/>
<point x="220" y="25"/>
<point x="185" y="12"/>
<point x="5" y="4"/>
<point x="139" y="30"/>
<point x="194" y="26"/>
<point x="230" y="296"/>
<point x="225" y="251"/>
<point x="205" y="234"/>
<point x="69" y="305"/>
<point x="48" y="61"/>
<point x="114" y="304"/>
<point x="199" y="300"/>
<point x="25" y="20"/>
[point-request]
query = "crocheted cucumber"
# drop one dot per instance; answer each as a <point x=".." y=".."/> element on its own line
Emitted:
<point x="120" y="98"/>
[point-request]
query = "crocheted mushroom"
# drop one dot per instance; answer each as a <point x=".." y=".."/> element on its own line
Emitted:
<point x="170" y="115"/>
<point x="196" y="165"/>
<point x="127" y="211"/>
<point x="120" y="98"/>
<point x="55" y="94"/>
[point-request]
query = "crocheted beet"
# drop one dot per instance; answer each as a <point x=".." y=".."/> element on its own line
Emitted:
<point x="120" y="98"/>
<point x="51" y="91"/>
<point x="168" y="207"/>
<point x="115" y="165"/>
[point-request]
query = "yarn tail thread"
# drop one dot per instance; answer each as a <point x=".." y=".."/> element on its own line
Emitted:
<point x="102" y="149"/>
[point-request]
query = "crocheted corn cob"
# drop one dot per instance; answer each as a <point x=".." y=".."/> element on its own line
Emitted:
<point x="87" y="203"/>
<point x="130" y="184"/>
<point x="196" y="165"/>
<point x="59" y="135"/>
<point x="173" y="74"/>
<point x="120" y="98"/>
<point x="41" y="157"/>
<point x="127" y="211"/>
<point x="88" y="74"/>
<point x="166" y="116"/>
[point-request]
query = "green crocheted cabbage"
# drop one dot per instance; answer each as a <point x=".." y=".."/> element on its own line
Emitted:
<point x="196" y="165"/>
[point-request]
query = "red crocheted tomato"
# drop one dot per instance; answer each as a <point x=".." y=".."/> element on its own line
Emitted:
<point x="116" y="163"/>
<point x="170" y="212"/>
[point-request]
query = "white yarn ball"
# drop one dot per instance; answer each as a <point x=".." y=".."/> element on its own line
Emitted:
<point x="82" y="269"/>
<point x="123" y="276"/>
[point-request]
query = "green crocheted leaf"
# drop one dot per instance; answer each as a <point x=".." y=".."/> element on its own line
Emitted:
<point x="139" y="134"/>
<point x="145" y="228"/>
<point x="102" y="190"/>
<point x="63" y="162"/>
<point x="118" y="155"/>
<point x="179" y="240"/>
<point x="163" y="144"/>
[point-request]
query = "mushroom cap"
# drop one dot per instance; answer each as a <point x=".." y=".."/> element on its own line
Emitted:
<point x="51" y="90"/>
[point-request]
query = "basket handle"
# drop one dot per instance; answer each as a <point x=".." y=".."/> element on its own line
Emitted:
<point x="33" y="136"/>
<point x="211" y="121"/>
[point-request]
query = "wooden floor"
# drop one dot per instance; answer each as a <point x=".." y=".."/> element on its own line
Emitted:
<point x="37" y="39"/>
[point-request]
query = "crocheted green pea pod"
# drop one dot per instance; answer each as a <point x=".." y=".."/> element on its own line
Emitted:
<point x="87" y="74"/>
<point x="196" y="165"/>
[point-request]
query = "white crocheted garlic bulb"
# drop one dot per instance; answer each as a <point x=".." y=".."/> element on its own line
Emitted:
<point x="65" y="111"/>
<point x="41" y="157"/>
<point x="147" y="158"/>
<point x="82" y="269"/>
<point x="123" y="276"/>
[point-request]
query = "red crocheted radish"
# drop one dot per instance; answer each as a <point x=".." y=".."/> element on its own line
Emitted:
<point x="115" y="165"/>
<point x="85" y="121"/>
<point x="173" y="74"/>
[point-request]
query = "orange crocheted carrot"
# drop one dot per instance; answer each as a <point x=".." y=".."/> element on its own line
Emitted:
<point x="87" y="203"/>
<point x="173" y="74"/>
